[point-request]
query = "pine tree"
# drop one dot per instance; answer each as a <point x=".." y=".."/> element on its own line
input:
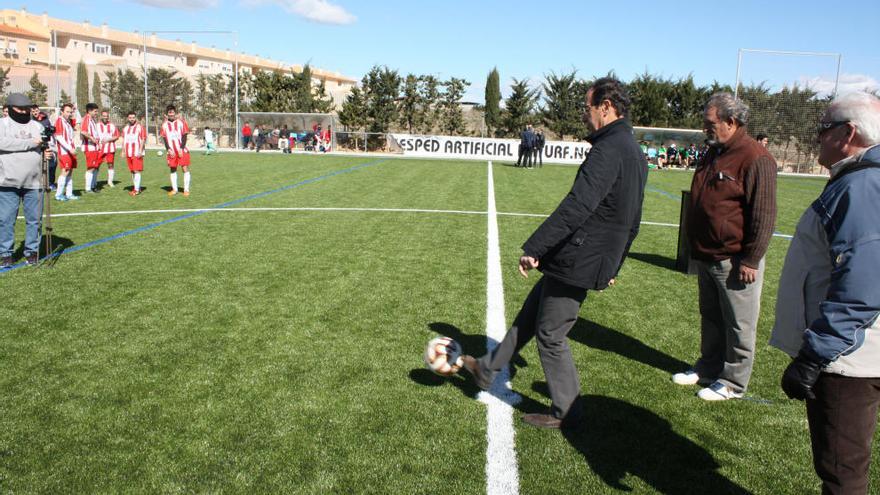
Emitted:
<point x="411" y="104"/>
<point x="96" y="90"/>
<point x="354" y="110"/>
<point x="519" y="107"/>
<point x="39" y="92"/>
<point x="492" y="115"/>
<point x="64" y="98"/>
<point x="561" y="113"/>
<point x="430" y="96"/>
<point x="452" y="120"/>
<point x="381" y="88"/>
<point x="303" y="91"/>
<point x="82" y="86"/>
<point x="321" y="101"/>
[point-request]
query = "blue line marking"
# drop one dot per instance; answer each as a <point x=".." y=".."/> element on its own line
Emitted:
<point x="664" y="193"/>
<point x="195" y="214"/>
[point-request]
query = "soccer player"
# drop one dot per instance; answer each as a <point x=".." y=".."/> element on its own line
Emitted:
<point x="209" y="141"/>
<point x="108" y="134"/>
<point x="134" y="136"/>
<point x="66" y="152"/>
<point x="91" y="145"/>
<point x="174" y="132"/>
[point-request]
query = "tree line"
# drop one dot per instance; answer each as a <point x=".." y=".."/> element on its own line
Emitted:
<point x="387" y="101"/>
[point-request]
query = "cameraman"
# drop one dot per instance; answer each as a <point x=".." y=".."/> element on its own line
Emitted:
<point x="21" y="140"/>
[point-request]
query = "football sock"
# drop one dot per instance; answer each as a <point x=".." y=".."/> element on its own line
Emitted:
<point x="186" y="180"/>
<point x="137" y="181"/>
<point x="89" y="175"/>
<point x="60" y="190"/>
<point x="110" y="174"/>
<point x="69" y="185"/>
<point x="174" y="181"/>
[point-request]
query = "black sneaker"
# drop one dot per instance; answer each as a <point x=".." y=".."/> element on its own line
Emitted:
<point x="32" y="259"/>
<point x="5" y="262"/>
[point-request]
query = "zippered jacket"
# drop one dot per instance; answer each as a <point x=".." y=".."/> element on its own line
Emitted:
<point x="829" y="292"/>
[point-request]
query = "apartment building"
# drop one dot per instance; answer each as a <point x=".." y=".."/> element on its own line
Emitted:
<point x="52" y="48"/>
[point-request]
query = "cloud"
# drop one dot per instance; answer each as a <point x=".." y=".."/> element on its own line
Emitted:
<point x="320" y="11"/>
<point x="846" y="84"/>
<point x="179" y="4"/>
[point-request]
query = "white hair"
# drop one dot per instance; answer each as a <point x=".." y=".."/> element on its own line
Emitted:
<point x="862" y="110"/>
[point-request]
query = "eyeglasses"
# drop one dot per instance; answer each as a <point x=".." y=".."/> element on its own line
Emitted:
<point x="824" y="127"/>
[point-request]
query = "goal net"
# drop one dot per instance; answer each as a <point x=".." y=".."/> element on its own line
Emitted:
<point x="308" y="130"/>
<point x="787" y="93"/>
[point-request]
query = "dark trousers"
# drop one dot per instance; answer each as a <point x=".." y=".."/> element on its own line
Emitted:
<point x="525" y="157"/>
<point x="538" y="157"/>
<point x="842" y="418"/>
<point x="548" y="313"/>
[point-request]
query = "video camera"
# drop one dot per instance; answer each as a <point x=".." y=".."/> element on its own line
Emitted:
<point x="48" y="132"/>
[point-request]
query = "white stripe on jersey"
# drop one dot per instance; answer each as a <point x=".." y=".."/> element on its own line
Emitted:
<point x="64" y="137"/>
<point x="173" y="133"/>
<point x="133" y="135"/>
<point x="92" y="129"/>
<point x="108" y="133"/>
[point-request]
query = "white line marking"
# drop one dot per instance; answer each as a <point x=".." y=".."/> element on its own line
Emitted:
<point x="306" y="208"/>
<point x="502" y="473"/>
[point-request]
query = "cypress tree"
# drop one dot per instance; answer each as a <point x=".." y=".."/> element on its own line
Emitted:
<point x="82" y="86"/>
<point x="493" y="98"/>
<point x="96" y="90"/>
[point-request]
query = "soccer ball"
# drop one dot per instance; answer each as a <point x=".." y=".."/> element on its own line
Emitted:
<point x="443" y="356"/>
<point x="158" y="153"/>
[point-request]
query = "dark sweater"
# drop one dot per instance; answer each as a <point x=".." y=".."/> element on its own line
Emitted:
<point x="733" y="202"/>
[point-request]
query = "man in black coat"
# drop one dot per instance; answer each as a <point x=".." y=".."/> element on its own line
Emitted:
<point x="580" y="246"/>
<point x="526" y="143"/>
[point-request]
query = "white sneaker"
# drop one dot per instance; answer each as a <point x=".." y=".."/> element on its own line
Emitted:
<point x="689" y="377"/>
<point x="718" y="391"/>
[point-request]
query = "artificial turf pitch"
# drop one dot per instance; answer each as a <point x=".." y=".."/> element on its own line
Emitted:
<point x="266" y="348"/>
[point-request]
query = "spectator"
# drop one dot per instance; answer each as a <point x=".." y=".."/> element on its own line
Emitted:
<point x="284" y="139"/>
<point x="246" y="134"/>
<point x="661" y="156"/>
<point x="539" y="148"/>
<point x="762" y="139"/>
<point x="730" y="223"/>
<point x="829" y="299"/>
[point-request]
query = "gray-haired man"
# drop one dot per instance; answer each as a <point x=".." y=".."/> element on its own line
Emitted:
<point x="730" y="224"/>
<point x="828" y="306"/>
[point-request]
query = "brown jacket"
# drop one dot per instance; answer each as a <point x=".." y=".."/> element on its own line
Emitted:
<point x="733" y="202"/>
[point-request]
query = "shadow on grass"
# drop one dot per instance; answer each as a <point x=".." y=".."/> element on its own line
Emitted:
<point x="654" y="259"/>
<point x="603" y="338"/>
<point x="59" y="244"/>
<point x="621" y="439"/>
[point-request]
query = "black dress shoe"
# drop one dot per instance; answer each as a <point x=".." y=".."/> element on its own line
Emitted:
<point x="543" y="420"/>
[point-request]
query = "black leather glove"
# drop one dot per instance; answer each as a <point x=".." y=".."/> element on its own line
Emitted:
<point x="800" y="376"/>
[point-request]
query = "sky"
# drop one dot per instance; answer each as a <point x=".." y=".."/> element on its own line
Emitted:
<point x="466" y="39"/>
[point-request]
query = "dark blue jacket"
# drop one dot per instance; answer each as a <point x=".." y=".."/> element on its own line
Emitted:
<point x="585" y="240"/>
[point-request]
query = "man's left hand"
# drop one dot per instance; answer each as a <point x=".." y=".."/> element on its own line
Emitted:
<point x="747" y="275"/>
<point x="800" y="377"/>
<point x="47" y="154"/>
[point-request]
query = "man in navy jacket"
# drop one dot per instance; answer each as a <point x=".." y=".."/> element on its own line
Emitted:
<point x="580" y="246"/>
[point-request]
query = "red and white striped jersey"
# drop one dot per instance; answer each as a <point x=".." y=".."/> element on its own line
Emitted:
<point x="90" y="127"/>
<point x="108" y="133"/>
<point x="133" y="138"/>
<point x="173" y="133"/>
<point x="64" y="137"/>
